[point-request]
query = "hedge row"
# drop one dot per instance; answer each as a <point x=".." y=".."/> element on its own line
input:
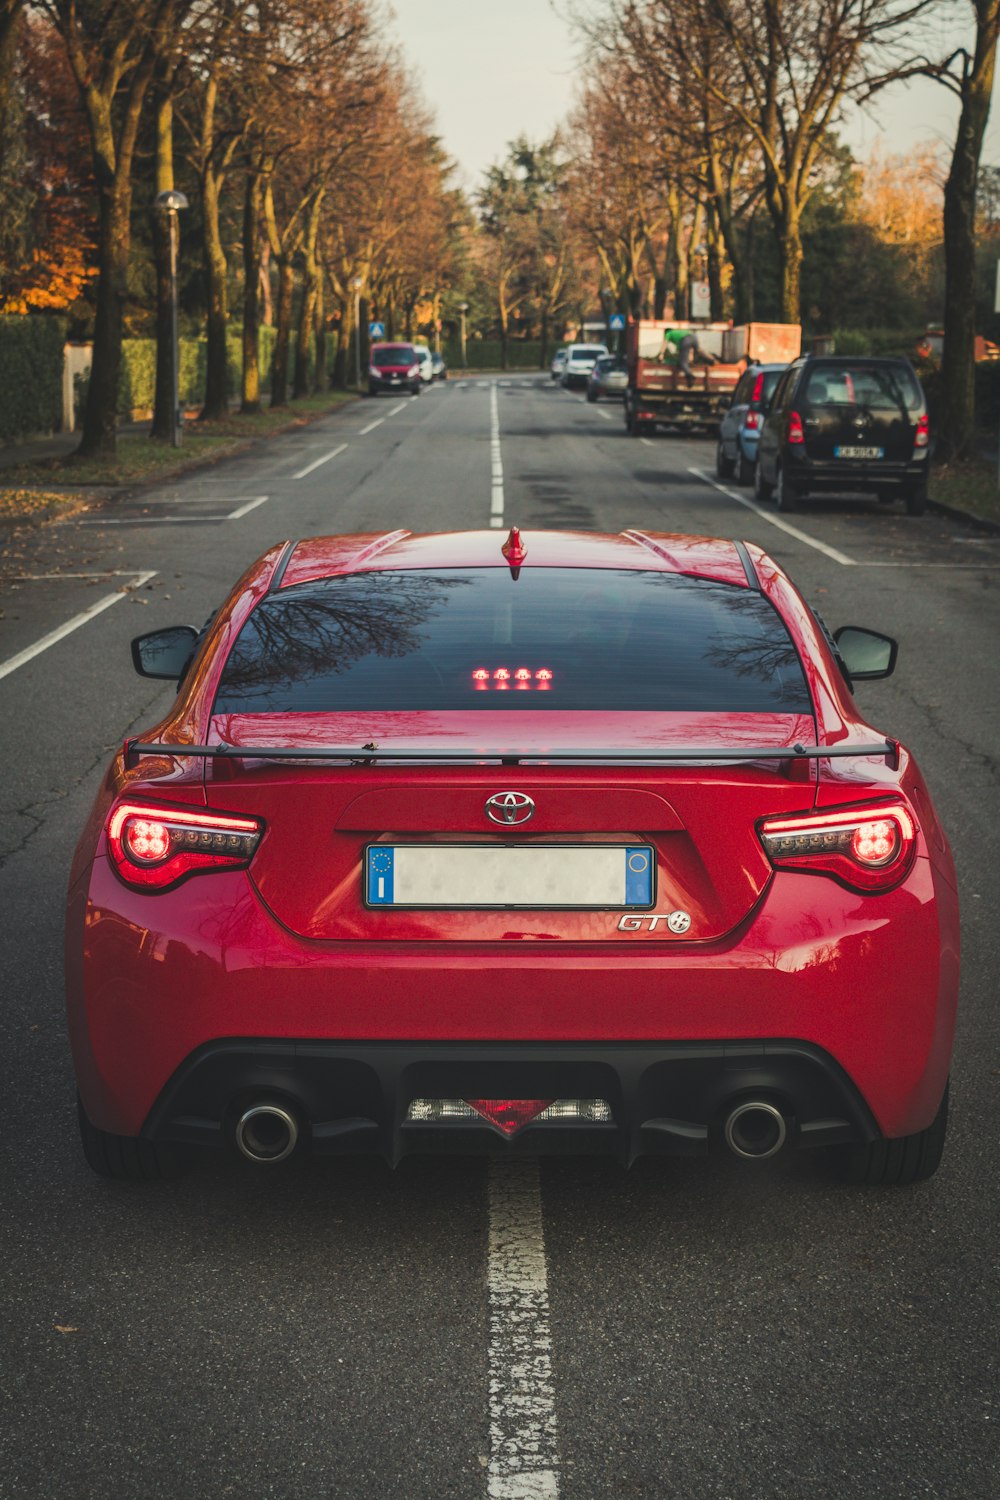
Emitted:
<point x="31" y="372"/>
<point x="137" y="378"/>
<point x="485" y="354"/>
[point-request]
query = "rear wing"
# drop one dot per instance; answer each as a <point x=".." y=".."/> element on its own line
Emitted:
<point x="369" y="754"/>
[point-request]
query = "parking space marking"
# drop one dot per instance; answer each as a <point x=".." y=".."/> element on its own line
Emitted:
<point x="244" y="510"/>
<point x="801" y="536"/>
<point x="522" y="1458"/>
<point x="371" y="426"/>
<point x="496" y="463"/>
<point x="13" y="662"/>
<point x="324" y="459"/>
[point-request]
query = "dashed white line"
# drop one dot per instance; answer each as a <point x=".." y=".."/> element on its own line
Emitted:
<point x="371" y="426"/>
<point x="801" y="536"/>
<point x="648" y="442"/>
<point x="605" y="414"/>
<point x="13" y="662"/>
<point x="522" y="1459"/>
<point x="324" y="459"/>
<point x="496" y="463"/>
<point x="401" y="407"/>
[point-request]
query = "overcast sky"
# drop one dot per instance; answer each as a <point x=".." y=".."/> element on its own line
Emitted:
<point x="493" y="69"/>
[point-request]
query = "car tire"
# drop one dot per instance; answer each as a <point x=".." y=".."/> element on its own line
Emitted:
<point x="915" y="501"/>
<point x="762" y="490"/>
<point x="591" y="395"/>
<point x="724" y="467"/>
<point x="894" y="1163"/>
<point x="372" y="390"/>
<point x="744" y="470"/>
<point x="786" y="494"/>
<point x="127" y="1158"/>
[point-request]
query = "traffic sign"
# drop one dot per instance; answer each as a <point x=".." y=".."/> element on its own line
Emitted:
<point x="616" y="322"/>
<point x="376" y="330"/>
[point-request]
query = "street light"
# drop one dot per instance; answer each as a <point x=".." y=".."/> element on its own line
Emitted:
<point x="357" y="284"/>
<point x="170" y="203"/>
<point x="463" y="308"/>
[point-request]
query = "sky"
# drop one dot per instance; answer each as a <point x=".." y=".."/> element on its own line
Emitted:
<point x="494" y="69"/>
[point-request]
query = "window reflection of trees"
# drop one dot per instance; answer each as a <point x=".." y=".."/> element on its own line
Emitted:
<point x="320" y="631"/>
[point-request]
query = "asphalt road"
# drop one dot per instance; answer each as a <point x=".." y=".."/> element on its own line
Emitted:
<point x="695" y="1328"/>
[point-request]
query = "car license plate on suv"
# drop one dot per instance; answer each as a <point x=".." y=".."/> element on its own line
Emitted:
<point x="597" y="877"/>
<point x="842" y="452"/>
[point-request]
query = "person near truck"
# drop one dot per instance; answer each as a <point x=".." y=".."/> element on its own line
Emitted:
<point x="681" y="347"/>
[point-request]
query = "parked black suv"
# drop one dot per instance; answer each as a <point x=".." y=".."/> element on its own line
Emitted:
<point x="855" y="426"/>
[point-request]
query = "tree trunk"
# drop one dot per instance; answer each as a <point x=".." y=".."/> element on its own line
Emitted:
<point x="304" y="341"/>
<point x="217" y="316"/>
<point x="543" y="357"/>
<point x="100" y="415"/>
<point x="10" y="26"/>
<point x="319" y="333"/>
<point x="283" y="329"/>
<point x="957" y="413"/>
<point x="163" y="400"/>
<point x="250" y="394"/>
<point x="345" y="332"/>
<point x="713" y="240"/>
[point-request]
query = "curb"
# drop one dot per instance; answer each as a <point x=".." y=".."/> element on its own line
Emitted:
<point x="978" y="523"/>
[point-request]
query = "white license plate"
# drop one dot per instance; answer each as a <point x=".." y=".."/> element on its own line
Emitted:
<point x="840" y="452"/>
<point x="596" y="877"/>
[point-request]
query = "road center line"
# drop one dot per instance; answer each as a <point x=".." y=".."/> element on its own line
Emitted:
<point x="13" y="662"/>
<point x="325" y="458"/>
<point x="496" y="463"/>
<point x="401" y="407"/>
<point x="802" y="536"/>
<point x="522" y="1460"/>
<point x="371" y="426"/>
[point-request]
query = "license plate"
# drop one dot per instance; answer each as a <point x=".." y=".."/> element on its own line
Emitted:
<point x="594" y="877"/>
<point x="841" y="452"/>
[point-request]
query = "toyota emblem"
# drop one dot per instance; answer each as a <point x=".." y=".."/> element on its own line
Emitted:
<point x="509" y="808"/>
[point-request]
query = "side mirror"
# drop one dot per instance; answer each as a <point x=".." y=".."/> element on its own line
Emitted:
<point x="866" y="653"/>
<point x="164" y="653"/>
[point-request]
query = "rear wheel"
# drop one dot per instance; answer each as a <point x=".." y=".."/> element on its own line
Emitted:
<point x="744" y="470"/>
<point x="724" y="467"/>
<point x="761" y="488"/>
<point x="786" y="493"/>
<point x="898" y="1163"/>
<point x="127" y="1158"/>
<point x="915" y="501"/>
<point x="591" y="395"/>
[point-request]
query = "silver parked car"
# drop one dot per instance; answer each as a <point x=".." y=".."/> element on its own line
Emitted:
<point x="609" y="377"/>
<point x="739" y="430"/>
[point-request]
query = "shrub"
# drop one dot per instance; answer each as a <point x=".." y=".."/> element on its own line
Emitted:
<point x="31" y="373"/>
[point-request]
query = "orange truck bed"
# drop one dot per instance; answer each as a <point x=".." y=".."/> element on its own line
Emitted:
<point x="660" y="391"/>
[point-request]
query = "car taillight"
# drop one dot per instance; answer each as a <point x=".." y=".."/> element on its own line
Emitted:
<point x="751" y="421"/>
<point x="922" y="436"/>
<point x="867" y="848"/>
<point x="758" y="389"/>
<point x="795" y="433"/>
<point x="153" y="846"/>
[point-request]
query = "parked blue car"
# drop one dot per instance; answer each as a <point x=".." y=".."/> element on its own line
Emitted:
<point x="739" y="429"/>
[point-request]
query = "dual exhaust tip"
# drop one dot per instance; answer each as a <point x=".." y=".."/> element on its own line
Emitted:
<point x="268" y="1132"/>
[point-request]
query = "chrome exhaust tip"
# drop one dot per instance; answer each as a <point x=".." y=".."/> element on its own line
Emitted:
<point x="267" y="1133"/>
<point x="755" y="1130"/>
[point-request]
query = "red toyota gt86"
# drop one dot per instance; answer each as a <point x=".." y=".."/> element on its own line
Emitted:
<point x="558" y="843"/>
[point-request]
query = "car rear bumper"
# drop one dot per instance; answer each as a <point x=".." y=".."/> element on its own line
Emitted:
<point x="846" y="476"/>
<point x="869" y="981"/>
<point x="356" y="1097"/>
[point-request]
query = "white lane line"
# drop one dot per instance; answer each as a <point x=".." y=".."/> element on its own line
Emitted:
<point x="401" y="407"/>
<point x="371" y="426"/>
<point x="234" y="515"/>
<point x="522" y="1460"/>
<point x="150" y="520"/>
<point x="460" y="386"/>
<point x="482" y="384"/>
<point x="648" y="442"/>
<point x="12" y="663"/>
<point x="496" y="463"/>
<point x="605" y="414"/>
<point x="801" y="536"/>
<point x="324" y="459"/>
<point x="106" y="573"/>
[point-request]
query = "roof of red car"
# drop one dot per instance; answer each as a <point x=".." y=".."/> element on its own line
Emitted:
<point x="666" y="552"/>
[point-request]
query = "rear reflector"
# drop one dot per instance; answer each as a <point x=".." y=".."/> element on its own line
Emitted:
<point x="510" y="1115"/>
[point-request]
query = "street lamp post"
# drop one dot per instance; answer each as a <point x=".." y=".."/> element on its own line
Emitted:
<point x="357" y="284"/>
<point x="463" y="308"/>
<point x="170" y="203"/>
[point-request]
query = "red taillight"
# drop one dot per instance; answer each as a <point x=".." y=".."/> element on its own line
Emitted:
<point x="758" y="389"/>
<point x="795" y="433"/>
<point x="751" y="421"/>
<point x="922" y="436"/>
<point x="865" y="848"/>
<point x="154" y="846"/>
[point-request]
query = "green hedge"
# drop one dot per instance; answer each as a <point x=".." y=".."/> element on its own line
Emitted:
<point x="485" y="354"/>
<point x="31" y="372"/>
<point x="137" y="378"/>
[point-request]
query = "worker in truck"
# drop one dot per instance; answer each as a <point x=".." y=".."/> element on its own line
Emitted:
<point x="681" y="348"/>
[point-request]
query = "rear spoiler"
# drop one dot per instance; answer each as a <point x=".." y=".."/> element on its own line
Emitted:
<point x="360" y="755"/>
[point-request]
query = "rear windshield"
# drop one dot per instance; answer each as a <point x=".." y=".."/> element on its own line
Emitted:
<point x="877" y="387"/>
<point x="587" y="353"/>
<point x="394" y="354"/>
<point x="478" y="638"/>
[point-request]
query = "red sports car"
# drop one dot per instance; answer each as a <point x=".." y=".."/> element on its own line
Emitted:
<point x="556" y="843"/>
